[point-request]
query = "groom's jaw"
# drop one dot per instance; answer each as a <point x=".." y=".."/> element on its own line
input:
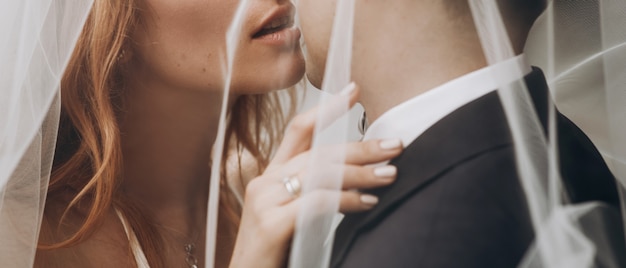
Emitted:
<point x="316" y="20"/>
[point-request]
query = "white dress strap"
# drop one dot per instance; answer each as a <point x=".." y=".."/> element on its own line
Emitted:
<point x="140" y="258"/>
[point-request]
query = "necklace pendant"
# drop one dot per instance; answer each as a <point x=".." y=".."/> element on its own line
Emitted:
<point x="190" y="259"/>
<point x="189" y="248"/>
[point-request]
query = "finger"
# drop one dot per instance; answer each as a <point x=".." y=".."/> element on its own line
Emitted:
<point x="323" y="202"/>
<point x="299" y="134"/>
<point x="352" y="201"/>
<point x="263" y="193"/>
<point x="358" y="177"/>
<point x="336" y="175"/>
<point x="372" y="151"/>
<point x="341" y="176"/>
<point x="356" y="153"/>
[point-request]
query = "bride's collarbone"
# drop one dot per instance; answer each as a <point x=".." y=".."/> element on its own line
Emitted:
<point x="105" y="246"/>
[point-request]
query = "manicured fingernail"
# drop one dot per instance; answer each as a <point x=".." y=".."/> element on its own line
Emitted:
<point x="391" y="144"/>
<point x="369" y="199"/>
<point x="386" y="171"/>
<point x="348" y="89"/>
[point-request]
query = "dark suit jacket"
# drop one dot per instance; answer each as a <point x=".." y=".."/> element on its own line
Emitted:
<point x="457" y="201"/>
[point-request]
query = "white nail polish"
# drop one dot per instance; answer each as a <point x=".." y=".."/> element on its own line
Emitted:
<point x="348" y="89"/>
<point x="369" y="199"/>
<point x="390" y="144"/>
<point x="386" y="171"/>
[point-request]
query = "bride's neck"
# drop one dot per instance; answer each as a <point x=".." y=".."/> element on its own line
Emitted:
<point x="167" y="135"/>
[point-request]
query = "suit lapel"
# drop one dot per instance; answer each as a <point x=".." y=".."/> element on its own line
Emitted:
<point x="477" y="127"/>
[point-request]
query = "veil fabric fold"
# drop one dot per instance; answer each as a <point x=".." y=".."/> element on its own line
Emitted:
<point x="566" y="234"/>
<point x="586" y="70"/>
<point x="39" y="39"/>
<point x="316" y="221"/>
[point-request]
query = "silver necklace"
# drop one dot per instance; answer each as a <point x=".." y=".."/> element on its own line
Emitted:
<point x="190" y="248"/>
<point x="190" y="258"/>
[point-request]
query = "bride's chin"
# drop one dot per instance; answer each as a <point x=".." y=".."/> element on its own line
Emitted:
<point x="266" y="87"/>
<point x="270" y="79"/>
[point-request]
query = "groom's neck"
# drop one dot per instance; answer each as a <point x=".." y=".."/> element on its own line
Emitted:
<point x="397" y="57"/>
<point x="388" y="83"/>
<point x="399" y="67"/>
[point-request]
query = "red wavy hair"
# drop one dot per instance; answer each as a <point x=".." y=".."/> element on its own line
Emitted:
<point x="88" y="158"/>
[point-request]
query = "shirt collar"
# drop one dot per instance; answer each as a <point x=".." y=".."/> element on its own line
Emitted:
<point x="410" y="119"/>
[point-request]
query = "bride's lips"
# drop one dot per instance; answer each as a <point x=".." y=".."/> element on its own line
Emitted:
<point x="278" y="27"/>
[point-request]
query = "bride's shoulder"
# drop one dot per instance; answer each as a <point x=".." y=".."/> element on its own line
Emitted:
<point x="105" y="246"/>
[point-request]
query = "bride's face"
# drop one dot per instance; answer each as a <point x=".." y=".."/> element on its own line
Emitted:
<point x="183" y="43"/>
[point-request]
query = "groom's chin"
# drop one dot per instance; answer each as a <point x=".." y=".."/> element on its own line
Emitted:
<point x="317" y="83"/>
<point x="314" y="73"/>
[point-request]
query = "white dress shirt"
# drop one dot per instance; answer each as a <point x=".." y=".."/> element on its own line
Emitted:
<point x="408" y="120"/>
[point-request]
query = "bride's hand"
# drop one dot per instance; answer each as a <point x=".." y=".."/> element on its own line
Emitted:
<point x="271" y="202"/>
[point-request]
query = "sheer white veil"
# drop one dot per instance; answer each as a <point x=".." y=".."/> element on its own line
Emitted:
<point x="581" y="46"/>
<point x="559" y="240"/>
<point x="38" y="39"/>
<point x="314" y="233"/>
